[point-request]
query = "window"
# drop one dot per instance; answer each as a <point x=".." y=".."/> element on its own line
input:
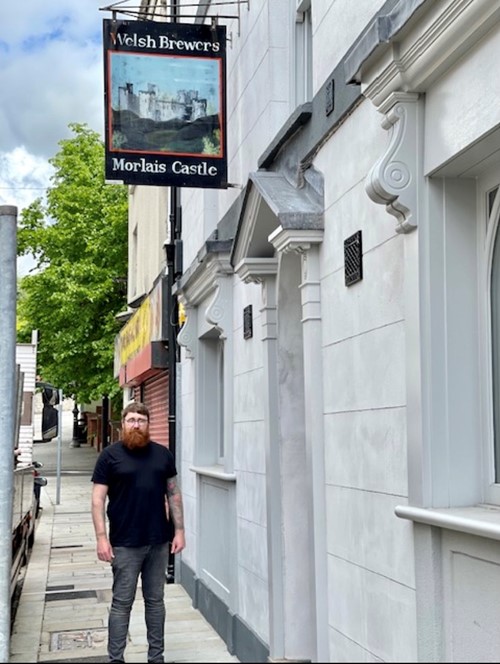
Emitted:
<point x="488" y="205"/>
<point x="492" y="208"/>
<point x="220" y="382"/>
<point x="211" y="450"/>
<point x="207" y="335"/>
<point x="132" y="271"/>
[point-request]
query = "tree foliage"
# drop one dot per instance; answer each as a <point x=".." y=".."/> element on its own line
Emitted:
<point x="78" y="240"/>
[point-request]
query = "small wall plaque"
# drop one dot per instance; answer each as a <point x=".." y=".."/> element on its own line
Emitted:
<point x="353" y="259"/>
<point x="247" y="322"/>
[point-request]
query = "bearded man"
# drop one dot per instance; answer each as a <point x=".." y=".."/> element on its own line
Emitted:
<point x="137" y="477"/>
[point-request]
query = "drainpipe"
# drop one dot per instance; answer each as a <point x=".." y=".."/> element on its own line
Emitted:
<point x="174" y="269"/>
<point x="105" y="421"/>
<point x="172" y="250"/>
<point x="8" y="291"/>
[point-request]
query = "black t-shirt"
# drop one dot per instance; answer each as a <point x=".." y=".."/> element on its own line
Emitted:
<point x="137" y="485"/>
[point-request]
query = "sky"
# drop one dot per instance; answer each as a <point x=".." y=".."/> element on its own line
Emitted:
<point x="170" y="74"/>
<point x="51" y="75"/>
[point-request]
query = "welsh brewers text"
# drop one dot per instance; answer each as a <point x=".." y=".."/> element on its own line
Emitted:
<point x="164" y="42"/>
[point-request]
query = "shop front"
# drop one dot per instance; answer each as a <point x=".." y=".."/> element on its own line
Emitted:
<point x="141" y="359"/>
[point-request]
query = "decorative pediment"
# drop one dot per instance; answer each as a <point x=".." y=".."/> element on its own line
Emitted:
<point x="271" y="202"/>
<point x="201" y="280"/>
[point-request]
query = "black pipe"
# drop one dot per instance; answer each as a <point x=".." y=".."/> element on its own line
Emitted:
<point x="173" y="272"/>
<point x="172" y="333"/>
<point x="175" y="231"/>
<point x="105" y="421"/>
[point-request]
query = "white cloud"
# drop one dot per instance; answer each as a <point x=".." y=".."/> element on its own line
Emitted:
<point x="50" y="72"/>
<point x="38" y="108"/>
<point x="23" y="177"/>
<point x="51" y="75"/>
<point x="78" y="19"/>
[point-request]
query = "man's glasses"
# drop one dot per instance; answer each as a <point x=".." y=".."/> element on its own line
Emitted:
<point x="141" y="421"/>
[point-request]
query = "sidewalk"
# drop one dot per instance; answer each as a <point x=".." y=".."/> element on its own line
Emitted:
<point x="63" y="610"/>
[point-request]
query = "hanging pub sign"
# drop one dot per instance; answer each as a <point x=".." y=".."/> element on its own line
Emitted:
<point x="165" y="103"/>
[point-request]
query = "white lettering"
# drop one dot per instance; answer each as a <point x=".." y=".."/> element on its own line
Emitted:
<point x="194" y="169"/>
<point x="164" y="42"/>
<point x="141" y="166"/>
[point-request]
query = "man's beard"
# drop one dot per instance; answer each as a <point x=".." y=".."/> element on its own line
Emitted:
<point x="136" y="438"/>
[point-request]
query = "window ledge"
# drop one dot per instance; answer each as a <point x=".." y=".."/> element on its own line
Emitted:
<point x="213" y="471"/>
<point x="479" y="520"/>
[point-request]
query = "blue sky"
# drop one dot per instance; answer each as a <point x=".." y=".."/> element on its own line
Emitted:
<point x="169" y="73"/>
<point x="50" y="71"/>
<point x="51" y="74"/>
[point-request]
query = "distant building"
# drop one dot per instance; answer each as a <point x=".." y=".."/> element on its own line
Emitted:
<point x="149" y="104"/>
<point x="26" y="357"/>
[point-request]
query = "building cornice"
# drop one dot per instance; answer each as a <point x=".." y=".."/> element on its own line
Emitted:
<point x="204" y="278"/>
<point x="425" y="49"/>
<point x="256" y="270"/>
<point x="298" y="241"/>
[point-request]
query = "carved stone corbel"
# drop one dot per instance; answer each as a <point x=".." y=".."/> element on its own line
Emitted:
<point x="219" y="312"/>
<point x="187" y="336"/>
<point x="395" y="178"/>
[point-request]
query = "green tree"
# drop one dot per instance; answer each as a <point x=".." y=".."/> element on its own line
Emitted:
<point x="78" y="240"/>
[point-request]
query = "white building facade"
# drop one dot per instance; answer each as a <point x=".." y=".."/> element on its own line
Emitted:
<point x="337" y="391"/>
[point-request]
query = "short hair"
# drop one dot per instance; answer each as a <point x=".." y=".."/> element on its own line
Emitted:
<point x="135" y="407"/>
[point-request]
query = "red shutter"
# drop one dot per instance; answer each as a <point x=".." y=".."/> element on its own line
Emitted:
<point x="155" y="397"/>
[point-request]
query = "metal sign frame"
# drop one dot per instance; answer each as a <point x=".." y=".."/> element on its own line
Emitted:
<point x="165" y="103"/>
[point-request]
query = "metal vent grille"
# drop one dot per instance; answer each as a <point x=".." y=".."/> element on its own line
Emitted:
<point x="247" y="322"/>
<point x="353" y="259"/>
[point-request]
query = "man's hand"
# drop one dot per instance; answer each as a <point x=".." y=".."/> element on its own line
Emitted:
<point x="179" y="542"/>
<point x="176" y="510"/>
<point x="104" y="549"/>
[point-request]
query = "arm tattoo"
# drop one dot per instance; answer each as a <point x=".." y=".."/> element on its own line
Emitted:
<point x="174" y="498"/>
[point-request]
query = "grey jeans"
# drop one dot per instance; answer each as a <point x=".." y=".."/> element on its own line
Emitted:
<point x="151" y="563"/>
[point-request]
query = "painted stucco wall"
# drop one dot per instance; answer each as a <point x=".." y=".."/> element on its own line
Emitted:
<point x="462" y="105"/>
<point x="257" y="106"/>
<point x="250" y="464"/>
<point x="148" y="229"/>
<point x="370" y="552"/>
<point x="335" y="29"/>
